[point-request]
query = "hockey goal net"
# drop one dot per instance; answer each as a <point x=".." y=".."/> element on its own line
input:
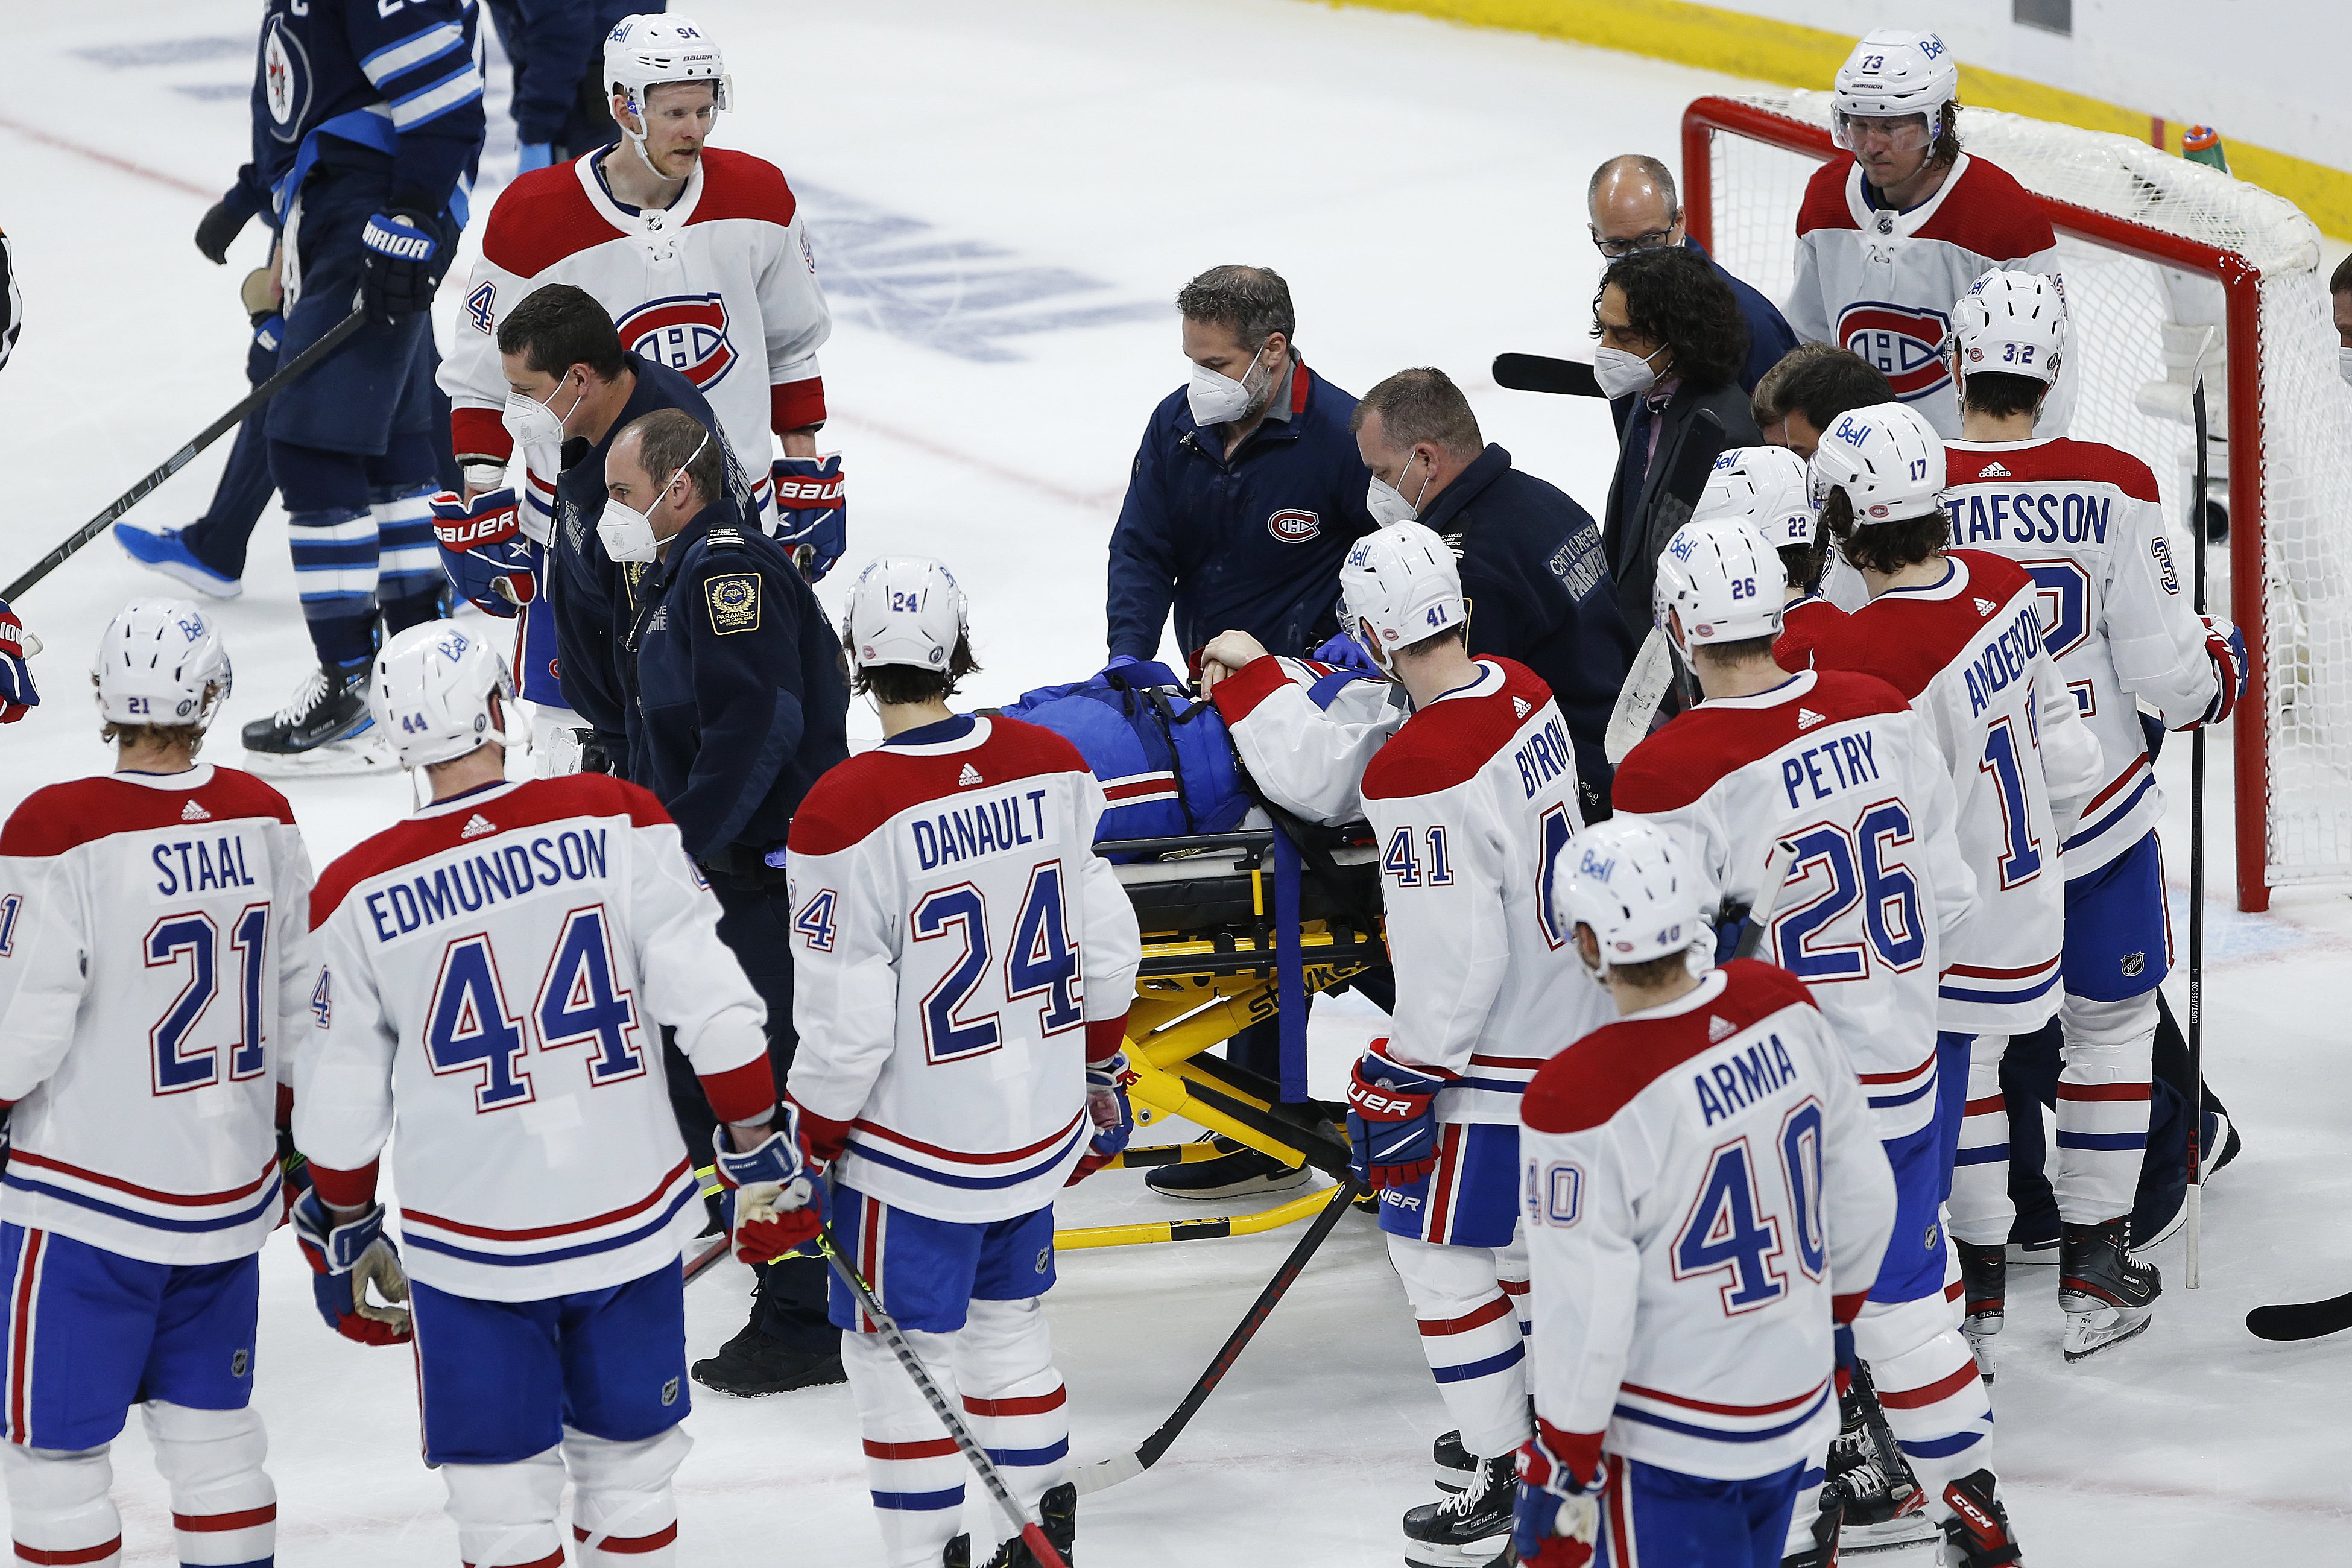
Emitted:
<point x="2156" y="250"/>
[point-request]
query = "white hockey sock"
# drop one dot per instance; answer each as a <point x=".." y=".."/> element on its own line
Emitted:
<point x="1981" y="1212"/>
<point x="1013" y="1397"/>
<point x="58" y="1508"/>
<point x="504" y="1514"/>
<point x="1471" y="1336"/>
<point x="623" y="1514"/>
<point x="1927" y="1380"/>
<point x="224" y="1508"/>
<point x="1511" y="1272"/>
<point x="2103" y="1100"/>
<point x="912" y="1466"/>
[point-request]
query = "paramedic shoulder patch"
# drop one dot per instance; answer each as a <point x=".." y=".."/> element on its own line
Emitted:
<point x="734" y="603"/>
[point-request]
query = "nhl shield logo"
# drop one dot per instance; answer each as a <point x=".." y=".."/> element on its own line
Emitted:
<point x="1294" y="526"/>
<point x="2134" y="963"/>
<point x="1906" y="343"/>
<point x="688" y="332"/>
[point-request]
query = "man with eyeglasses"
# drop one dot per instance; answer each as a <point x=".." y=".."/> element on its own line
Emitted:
<point x="1632" y="206"/>
<point x="1890" y="233"/>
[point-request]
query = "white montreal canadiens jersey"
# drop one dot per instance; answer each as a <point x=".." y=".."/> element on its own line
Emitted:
<point x="2084" y="522"/>
<point x="953" y="936"/>
<point x="496" y="971"/>
<point x="1306" y="732"/>
<point x="1701" y="1183"/>
<point x="720" y="287"/>
<point x="154" y="969"/>
<point x="1966" y="652"/>
<point x="1883" y="283"/>
<point x="1473" y="803"/>
<point x="1839" y="765"/>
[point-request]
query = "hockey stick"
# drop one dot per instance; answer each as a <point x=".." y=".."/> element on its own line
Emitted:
<point x="1109" y="1472"/>
<point x="1539" y="372"/>
<point x="288" y="371"/>
<point x="887" y="1328"/>
<point x="1653" y="667"/>
<point x="2197" y="871"/>
<point x="2303" y="1320"/>
<point x="1767" y="898"/>
<point x="700" y="1264"/>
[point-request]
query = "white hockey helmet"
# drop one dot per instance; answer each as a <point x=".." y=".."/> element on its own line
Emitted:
<point x="1626" y="881"/>
<point x="1400" y="586"/>
<point x="161" y="662"/>
<point x="650" y="48"/>
<point x="1717" y="582"/>
<point x="431" y="690"/>
<point x="904" y="609"/>
<point x="1893" y="72"/>
<point x="2011" y="323"/>
<point x="1886" y="458"/>
<point x="1766" y="488"/>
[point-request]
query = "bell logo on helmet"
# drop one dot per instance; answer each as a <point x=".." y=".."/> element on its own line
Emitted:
<point x="688" y="332"/>
<point x="1850" y="431"/>
<point x="453" y="646"/>
<point x="1292" y="526"/>
<point x="1905" y="343"/>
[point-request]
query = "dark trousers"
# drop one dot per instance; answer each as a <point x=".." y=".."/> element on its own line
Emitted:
<point x="755" y="923"/>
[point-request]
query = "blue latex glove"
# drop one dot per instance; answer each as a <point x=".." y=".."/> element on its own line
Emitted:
<point x="812" y="517"/>
<point x="492" y="563"/>
<point x="17" y="695"/>
<point x="261" y="356"/>
<point x="343" y="1259"/>
<point x="534" y="155"/>
<point x="406" y="253"/>
<point x="1114" y="1117"/>
<point x="1348" y="654"/>
<point x="773" y="1202"/>
<point x="1392" y="1131"/>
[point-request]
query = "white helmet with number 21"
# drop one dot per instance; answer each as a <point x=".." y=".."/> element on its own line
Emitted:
<point x="161" y="662"/>
<point x="1400" y="586"/>
<point x="431" y="693"/>
<point x="1627" y="881"/>
<point x="904" y="609"/>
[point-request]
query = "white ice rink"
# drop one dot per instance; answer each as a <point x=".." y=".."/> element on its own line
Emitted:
<point x="1003" y="196"/>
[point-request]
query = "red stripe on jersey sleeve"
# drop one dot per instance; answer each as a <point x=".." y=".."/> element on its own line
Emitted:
<point x="82" y="811"/>
<point x="1106" y="1037"/>
<point x="1238" y="695"/>
<point x="736" y="184"/>
<point x="1446" y="743"/>
<point x="741" y="1094"/>
<point x="345" y="1189"/>
<point x="1989" y="213"/>
<point x="796" y="404"/>
<point x="479" y="432"/>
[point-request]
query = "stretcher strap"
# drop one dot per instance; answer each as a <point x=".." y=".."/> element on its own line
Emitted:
<point x="1290" y="971"/>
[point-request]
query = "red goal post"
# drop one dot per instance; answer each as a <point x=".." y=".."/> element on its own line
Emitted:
<point x="2115" y="203"/>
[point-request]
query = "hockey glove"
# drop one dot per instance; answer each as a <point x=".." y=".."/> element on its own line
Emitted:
<point x="261" y="354"/>
<point x="1391" y="1121"/>
<point x="491" y="561"/>
<point x="406" y="252"/>
<point x="1558" y="1515"/>
<point x="535" y="155"/>
<point x="2226" y="645"/>
<point x="17" y="695"/>
<point x="345" y="1260"/>
<point x="1345" y="652"/>
<point x="812" y="518"/>
<point x="774" y="1203"/>
<point x="1114" y="1118"/>
<point x="219" y="227"/>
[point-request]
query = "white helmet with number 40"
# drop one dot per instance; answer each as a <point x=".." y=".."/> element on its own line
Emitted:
<point x="1626" y="881"/>
<point x="431" y="694"/>
<point x="1886" y="458"/>
<point x="1400" y="586"/>
<point x="2011" y="323"/>
<point x="1717" y="583"/>
<point x="904" y="609"/>
<point x="161" y="662"/>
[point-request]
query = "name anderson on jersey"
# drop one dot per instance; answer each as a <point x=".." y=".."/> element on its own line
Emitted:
<point x="483" y="879"/>
<point x="2006" y="658"/>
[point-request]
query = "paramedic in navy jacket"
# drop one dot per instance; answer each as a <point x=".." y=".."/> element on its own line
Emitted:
<point x="1246" y="492"/>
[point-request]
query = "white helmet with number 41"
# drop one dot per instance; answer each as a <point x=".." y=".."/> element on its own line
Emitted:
<point x="1400" y="586"/>
<point x="1626" y="881"/>
<point x="431" y="694"/>
<point x="161" y="662"/>
<point x="904" y="609"/>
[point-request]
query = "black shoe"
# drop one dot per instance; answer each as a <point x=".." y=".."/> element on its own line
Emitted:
<point x="1457" y="1467"/>
<point x="1466" y="1528"/>
<point x="714" y="1219"/>
<point x="1984" y="1272"/>
<point x="1978" y="1531"/>
<point x="2106" y="1296"/>
<point x="1057" y="1516"/>
<point x="755" y="1362"/>
<point x="957" y="1553"/>
<point x="329" y="705"/>
<point x="1233" y="1175"/>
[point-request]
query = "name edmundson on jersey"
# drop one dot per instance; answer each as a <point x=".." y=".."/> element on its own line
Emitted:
<point x="475" y="879"/>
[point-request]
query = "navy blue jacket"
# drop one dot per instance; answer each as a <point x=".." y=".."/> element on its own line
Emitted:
<point x="739" y="703"/>
<point x="1769" y="336"/>
<point x="1251" y="545"/>
<point x="1537" y="582"/>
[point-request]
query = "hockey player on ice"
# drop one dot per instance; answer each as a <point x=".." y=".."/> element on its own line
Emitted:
<point x="2082" y="519"/>
<point x="963" y="963"/>
<point x="1705" y="1205"/>
<point x="1839" y="766"/>
<point x="1889" y="236"/>
<point x="493" y="975"/>
<point x="1767" y="488"/>
<point x="154" y="965"/>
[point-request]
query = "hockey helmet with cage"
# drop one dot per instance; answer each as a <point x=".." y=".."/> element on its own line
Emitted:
<point x="1888" y="459"/>
<point x="1626" y="879"/>
<point x="1717" y="583"/>
<point x="2011" y="323"/>
<point x="904" y="609"/>
<point x="161" y="662"/>
<point x="1766" y="488"/>
<point x="430" y="693"/>
<point x="1400" y="586"/>
<point x="647" y="50"/>
<point x="1892" y="73"/>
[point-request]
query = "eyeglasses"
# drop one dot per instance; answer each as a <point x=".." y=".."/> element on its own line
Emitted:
<point x="1658" y="238"/>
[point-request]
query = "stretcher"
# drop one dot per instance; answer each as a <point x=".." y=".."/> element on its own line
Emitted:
<point x="1212" y="951"/>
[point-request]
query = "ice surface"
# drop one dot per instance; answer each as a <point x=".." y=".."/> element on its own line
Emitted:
<point x="1003" y="197"/>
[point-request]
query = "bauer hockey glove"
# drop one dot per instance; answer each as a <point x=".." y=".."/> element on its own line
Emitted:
<point x="812" y="518"/>
<point x="775" y="1204"/>
<point x="345" y="1260"/>
<point x="1114" y="1118"/>
<point x="405" y="251"/>
<point x="1558" y="1515"/>
<point x="17" y="696"/>
<point x="1392" y="1121"/>
<point x="491" y="562"/>
<point x="2226" y="645"/>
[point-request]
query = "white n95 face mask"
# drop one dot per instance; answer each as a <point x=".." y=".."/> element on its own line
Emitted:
<point x="538" y="429"/>
<point x="1621" y="374"/>
<point x="1219" y="399"/>
<point x="626" y="534"/>
<point x="1387" y="503"/>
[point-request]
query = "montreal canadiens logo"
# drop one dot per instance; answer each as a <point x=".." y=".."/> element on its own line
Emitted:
<point x="688" y="332"/>
<point x="1906" y="345"/>
<point x="1292" y="526"/>
<point x="285" y="79"/>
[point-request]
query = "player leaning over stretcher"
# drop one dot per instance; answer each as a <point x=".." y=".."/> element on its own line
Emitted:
<point x="1464" y="770"/>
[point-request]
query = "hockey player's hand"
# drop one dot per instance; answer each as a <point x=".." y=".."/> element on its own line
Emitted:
<point x="812" y="516"/>
<point x="406" y="252"/>
<point x="17" y="695"/>
<point x="219" y="227"/>
<point x="2226" y="645"/>
<point x="1558" y="1515"/>
<point x="491" y="561"/>
<point x="1227" y="654"/>
<point x="775" y="1204"/>
<point x="345" y="1260"/>
<point x="1391" y="1123"/>
<point x="1113" y="1117"/>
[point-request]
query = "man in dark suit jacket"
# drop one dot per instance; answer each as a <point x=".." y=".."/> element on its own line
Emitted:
<point x="1671" y="312"/>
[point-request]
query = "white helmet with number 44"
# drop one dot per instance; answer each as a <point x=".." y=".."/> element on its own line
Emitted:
<point x="431" y="694"/>
<point x="1626" y="881"/>
<point x="2011" y="323"/>
<point x="161" y="662"/>
<point x="1717" y="583"/>
<point x="904" y="609"/>
<point x="1399" y="587"/>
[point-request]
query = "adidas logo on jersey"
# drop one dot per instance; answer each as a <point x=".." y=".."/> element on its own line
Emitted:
<point x="1521" y="706"/>
<point x="1717" y="1028"/>
<point x="1807" y="719"/>
<point x="192" y="812"/>
<point x="476" y="825"/>
<point x="969" y="777"/>
<point x="1992" y="472"/>
<point x="1986" y="606"/>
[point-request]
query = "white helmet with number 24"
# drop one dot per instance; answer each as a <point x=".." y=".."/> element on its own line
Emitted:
<point x="1400" y="586"/>
<point x="1766" y="488"/>
<point x="1886" y="458"/>
<point x="2011" y="323"/>
<point x="431" y="694"/>
<point x="1626" y="881"/>
<point x="904" y="609"/>
<point x="1717" y="583"/>
<point x="161" y="662"/>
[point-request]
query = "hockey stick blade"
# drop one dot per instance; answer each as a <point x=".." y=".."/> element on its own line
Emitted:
<point x="1540" y="372"/>
<point x="1120" y="1467"/>
<point x="1767" y="898"/>
<point x="700" y="1264"/>
<point x="300" y="365"/>
<point x="2302" y="1320"/>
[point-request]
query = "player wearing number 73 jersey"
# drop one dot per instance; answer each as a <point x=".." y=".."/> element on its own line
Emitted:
<point x="154" y="959"/>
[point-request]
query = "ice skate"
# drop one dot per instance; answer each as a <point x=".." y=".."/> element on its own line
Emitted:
<point x="2104" y="1294"/>
<point x="1977" y="1534"/>
<point x="323" y="729"/>
<point x="1985" y="1272"/>
<point x="1456" y="1465"/>
<point x="1467" y="1528"/>
<point x="1057" y="1516"/>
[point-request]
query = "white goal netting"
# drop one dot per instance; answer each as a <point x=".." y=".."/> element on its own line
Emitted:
<point x="2138" y="328"/>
